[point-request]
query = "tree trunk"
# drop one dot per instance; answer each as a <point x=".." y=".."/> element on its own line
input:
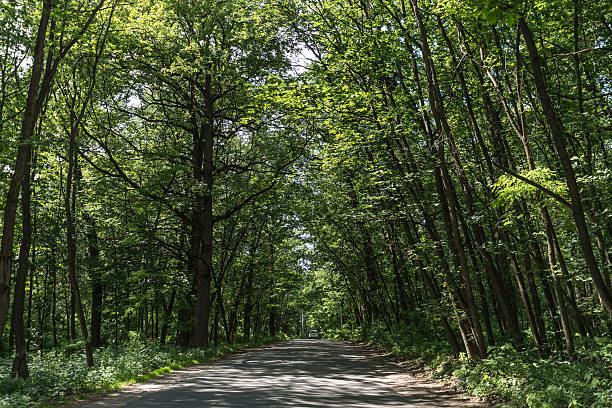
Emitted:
<point x="71" y="245"/>
<point x="444" y="184"/>
<point x="20" y="363"/>
<point x="248" y="304"/>
<point x="54" y="298"/>
<point x="559" y="136"/>
<point x="272" y="313"/>
<point x="96" y="283"/>
<point x="203" y="170"/>
<point x="166" y="317"/>
<point x="27" y="132"/>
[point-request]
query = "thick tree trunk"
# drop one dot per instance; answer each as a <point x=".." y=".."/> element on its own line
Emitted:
<point x="203" y="169"/>
<point x="203" y="281"/>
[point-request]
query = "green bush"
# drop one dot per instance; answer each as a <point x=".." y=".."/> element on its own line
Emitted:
<point x="56" y="375"/>
<point x="525" y="380"/>
<point x="519" y="378"/>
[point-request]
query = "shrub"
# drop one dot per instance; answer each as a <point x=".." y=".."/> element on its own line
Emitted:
<point x="56" y="375"/>
<point x="518" y="377"/>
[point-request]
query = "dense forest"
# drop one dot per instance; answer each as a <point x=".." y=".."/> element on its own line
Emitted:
<point x="417" y="172"/>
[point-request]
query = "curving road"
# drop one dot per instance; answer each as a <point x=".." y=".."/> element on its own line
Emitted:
<point x="297" y="373"/>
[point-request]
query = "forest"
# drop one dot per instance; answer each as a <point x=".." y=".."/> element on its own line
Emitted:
<point x="182" y="177"/>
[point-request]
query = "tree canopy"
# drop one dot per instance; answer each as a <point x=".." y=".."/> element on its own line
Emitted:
<point x="200" y="172"/>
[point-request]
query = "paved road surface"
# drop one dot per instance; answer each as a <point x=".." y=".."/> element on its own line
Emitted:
<point x="298" y="373"/>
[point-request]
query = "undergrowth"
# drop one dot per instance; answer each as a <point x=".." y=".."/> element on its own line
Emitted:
<point x="520" y="378"/>
<point x="57" y="376"/>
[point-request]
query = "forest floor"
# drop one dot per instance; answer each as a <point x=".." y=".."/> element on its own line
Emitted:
<point x="295" y="373"/>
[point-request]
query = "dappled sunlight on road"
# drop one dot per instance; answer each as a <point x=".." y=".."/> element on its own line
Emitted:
<point x="304" y="373"/>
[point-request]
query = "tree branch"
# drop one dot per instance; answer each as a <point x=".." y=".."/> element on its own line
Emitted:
<point x="534" y="184"/>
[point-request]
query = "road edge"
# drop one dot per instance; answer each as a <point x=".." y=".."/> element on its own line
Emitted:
<point x="132" y="390"/>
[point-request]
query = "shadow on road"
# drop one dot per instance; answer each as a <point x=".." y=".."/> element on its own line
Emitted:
<point x="304" y="373"/>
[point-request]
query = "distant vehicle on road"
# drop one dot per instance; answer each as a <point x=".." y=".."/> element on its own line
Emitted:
<point x="313" y="334"/>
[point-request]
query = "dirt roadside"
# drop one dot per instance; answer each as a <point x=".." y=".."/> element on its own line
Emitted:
<point x="409" y="375"/>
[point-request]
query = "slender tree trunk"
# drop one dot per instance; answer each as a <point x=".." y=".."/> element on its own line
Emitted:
<point x="248" y="304"/>
<point x="559" y="136"/>
<point x="500" y="289"/>
<point x="71" y="317"/>
<point x="533" y="291"/>
<point x="447" y="200"/>
<point x="96" y="283"/>
<point x="272" y="313"/>
<point x="31" y="289"/>
<point x="565" y="323"/>
<point x="20" y="363"/>
<point x="71" y="246"/>
<point x="54" y="298"/>
<point x="166" y="317"/>
<point x="27" y="132"/>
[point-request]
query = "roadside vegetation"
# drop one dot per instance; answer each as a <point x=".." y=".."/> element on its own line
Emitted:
<point x="62" y="375"/>
<point x="507" y="377"/>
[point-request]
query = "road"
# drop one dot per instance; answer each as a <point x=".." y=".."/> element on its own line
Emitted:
<point x="297" y="373"/>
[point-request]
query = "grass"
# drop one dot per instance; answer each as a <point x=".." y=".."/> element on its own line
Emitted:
<point x="58" y="376"/>
<point x="519" y="378"/>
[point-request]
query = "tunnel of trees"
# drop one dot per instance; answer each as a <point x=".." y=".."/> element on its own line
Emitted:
<point x="203" y="172"/>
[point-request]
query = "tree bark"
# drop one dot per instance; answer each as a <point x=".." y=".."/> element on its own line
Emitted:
<point x="96" y="283"/>
<point x="166" y="317"/>
<point x="248" y="303"/>
<point x="71" y="245"/>
<point x="20" y="363"/>
<point x="25" y="143"/>
<point x="559" y="136"/>
<point x="203" y="171"/>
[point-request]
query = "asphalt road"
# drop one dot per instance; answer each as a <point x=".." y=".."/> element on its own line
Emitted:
<point x="298" y="373"/>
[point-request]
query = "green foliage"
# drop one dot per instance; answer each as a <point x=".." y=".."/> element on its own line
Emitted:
<point x="527" y="381"/>
<point x="493" y="11"/>
<point x="406" y="342"/>
<point x="57" y="376"/>
<point x="519" y="378"/>
<point x="510" y="189"/>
